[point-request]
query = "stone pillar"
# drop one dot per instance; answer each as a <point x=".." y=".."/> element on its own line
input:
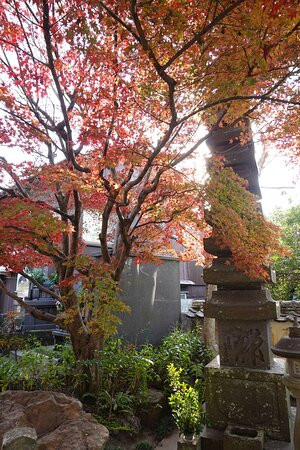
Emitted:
<point x="209" y="325"/>
<point x="293" y="385"/>
<point x="243" y="383"/>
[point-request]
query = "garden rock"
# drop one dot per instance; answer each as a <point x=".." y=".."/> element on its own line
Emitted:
<point x="131" y="422"/>
<point x="59" y="421"/>
<point x="154" y="407"/>
<point x="20" y="438"/>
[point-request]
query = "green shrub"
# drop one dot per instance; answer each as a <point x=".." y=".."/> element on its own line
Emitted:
<point x="39" y="368"/>
<point x="182" y="348"/>
<point x="9" y="373"/>
<point x="39" y="275"/>
<point x="144" y="445"/>
<point x="11" y="342"/>
<point x="124" y="372"/>
<point x="186" y="403"/>
<point x="123" y="368"/>
<point x="119" y="402"/>
<point x="164" y="427"/>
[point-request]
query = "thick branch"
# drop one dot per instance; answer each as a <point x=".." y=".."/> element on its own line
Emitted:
<point x="201" y="33"/>
<point x="37" y="313"/>
<point x="66" y="122"/>
<point x="40" y="286"/>
<point x="171" y="82"/>
<point x="263" y="98"/>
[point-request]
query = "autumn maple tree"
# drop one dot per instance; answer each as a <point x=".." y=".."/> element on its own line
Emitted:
<point x="108" y="98"/>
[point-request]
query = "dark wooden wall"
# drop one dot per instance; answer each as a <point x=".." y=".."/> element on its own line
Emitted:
<point x="6" y="303"/>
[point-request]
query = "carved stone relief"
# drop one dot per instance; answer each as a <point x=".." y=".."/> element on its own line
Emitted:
<point x="244" y="344"/>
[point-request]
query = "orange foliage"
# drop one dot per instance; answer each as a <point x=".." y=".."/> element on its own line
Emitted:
<point x="238" y="222"/>
<point x="108" y="97"/>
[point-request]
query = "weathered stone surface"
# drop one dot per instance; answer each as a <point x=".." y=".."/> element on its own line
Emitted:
<point x="223" y="274"/>
<point x="242" y="438"/>
<point x="292" y="382"/>
<point x="81" y="433"/>
<point x="245" y="343"/>
<point x="20" y="438"/>
<point x="55" y="417"/>
<point x="212" y="439"/>
<point x="153" y="408"/>
<point x="237" y="155"/>
<point x="211" y="247"/>
<point x="254" y="398"/>
<point x="242" y="304"/>
<point x="183" y="444"/>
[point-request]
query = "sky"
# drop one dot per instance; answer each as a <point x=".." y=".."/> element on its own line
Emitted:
<point x="279" y="180"/>
<point x="280" y="186"/>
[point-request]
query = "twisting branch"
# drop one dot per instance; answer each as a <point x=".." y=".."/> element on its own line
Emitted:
<point x="120" y="21"/>
<point x="202" y="33"/>
<point x="66" y="122"/>
<point x="171" y="82"/>
<point x="14" y="178"/>
<point x="40" y="286"/>
<point x="37" y="313"/>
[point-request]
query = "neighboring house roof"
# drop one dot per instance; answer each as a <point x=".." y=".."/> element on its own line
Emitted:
<point x="187" y="282"/>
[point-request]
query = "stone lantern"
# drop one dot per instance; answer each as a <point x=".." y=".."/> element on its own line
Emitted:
<point x="289" y="347"/>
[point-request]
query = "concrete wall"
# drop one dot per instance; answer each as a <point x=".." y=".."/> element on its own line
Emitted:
<point x="153" y="293"/>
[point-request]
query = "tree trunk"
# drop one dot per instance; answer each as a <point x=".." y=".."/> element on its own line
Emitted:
<point x="86" y="349"/>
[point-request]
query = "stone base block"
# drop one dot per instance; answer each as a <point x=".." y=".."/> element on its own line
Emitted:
<point x="242" y="438"/>
<point x="212" y="439"/>
<point x="194" y="444"/>
<point x="247" y="397"/>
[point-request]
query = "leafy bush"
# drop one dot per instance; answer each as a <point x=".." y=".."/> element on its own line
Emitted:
<point x="182" y="348"/>
<point x="39" y="275"/>
<point x="9" y="373"/>
<point x="144" y="445"/>
<point x="287" y="267"/>
<point x="186" y="403"/>
<point x="164" y="427"/>
<point x="123" y="368"/>
<point x="11" y="342"/>
<point x="38" y="368"/>
<point x="124" y="372"/>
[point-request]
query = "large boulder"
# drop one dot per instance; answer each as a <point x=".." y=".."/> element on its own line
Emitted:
<point x="59" y="421"/>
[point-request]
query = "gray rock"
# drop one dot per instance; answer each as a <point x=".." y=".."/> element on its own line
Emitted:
<point x="77" y="434"/>
<point x="193" y="444"/>
<point x="59" y="421"/>
<point x="153" y="408"/>
<point x="20" y="438"/>
<point x="242" y="438"/>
